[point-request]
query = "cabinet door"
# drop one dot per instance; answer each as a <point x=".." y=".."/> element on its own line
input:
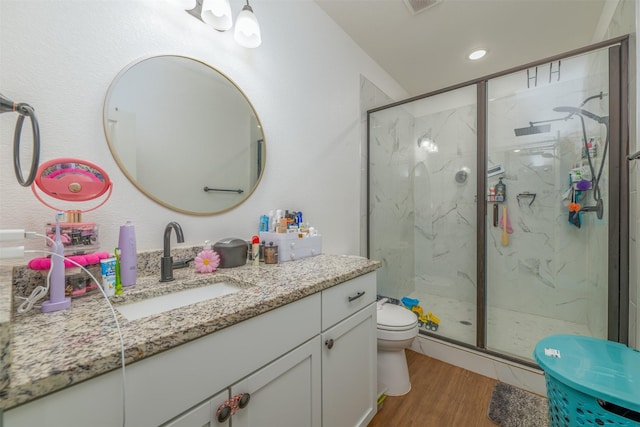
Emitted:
<point x="202" y="415"/>
<point x="285" y="393"/>
<point x="349" y="370"/>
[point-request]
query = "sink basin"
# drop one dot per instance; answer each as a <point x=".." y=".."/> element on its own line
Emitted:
<point x="160" y="304"/>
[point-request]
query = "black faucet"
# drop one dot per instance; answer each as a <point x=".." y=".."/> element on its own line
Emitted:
<point x="166" y="263"/>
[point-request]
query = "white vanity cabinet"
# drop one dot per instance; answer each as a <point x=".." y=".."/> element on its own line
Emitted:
<point x="162" y="388"/>
<point x="202" y="415"/>
<point x="349" y="353"/>
<point x="284" y="393"/>
<point x="281" y="359"/>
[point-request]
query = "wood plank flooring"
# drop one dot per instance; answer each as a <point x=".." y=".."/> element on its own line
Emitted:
<point x="442" y="395"/>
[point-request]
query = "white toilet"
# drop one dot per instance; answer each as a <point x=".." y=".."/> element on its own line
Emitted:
<point x="397" y="327"/>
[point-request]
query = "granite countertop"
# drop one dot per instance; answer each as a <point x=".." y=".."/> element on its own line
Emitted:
<point x="5" y="324"/>
<point x="55" y="350"/>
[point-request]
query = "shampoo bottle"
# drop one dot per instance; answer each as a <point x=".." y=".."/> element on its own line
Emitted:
<point x="128" y="254"/>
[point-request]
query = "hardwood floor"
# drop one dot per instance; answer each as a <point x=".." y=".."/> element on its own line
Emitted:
<point x="441" y="395"/>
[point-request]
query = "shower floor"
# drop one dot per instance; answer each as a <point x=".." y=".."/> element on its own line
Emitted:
<point x="508" y="332"/>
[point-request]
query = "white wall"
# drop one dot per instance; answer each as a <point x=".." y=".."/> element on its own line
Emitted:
<point x="304" y="82"/>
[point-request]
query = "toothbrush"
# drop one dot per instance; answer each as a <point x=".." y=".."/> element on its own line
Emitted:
<point x="117" y="253"/>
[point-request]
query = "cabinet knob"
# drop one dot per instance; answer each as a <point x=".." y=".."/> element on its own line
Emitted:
<point x="224" y="412"/>
<point x="329" y="343"/>
<point x="244" y="400"/>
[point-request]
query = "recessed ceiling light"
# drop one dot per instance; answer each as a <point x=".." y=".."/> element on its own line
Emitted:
<point x="477" y="54"/>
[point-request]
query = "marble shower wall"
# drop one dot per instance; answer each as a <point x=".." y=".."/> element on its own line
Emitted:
<point x="370" y="97"/>
<point x="423" y="222"/>
<point x="391" y="210"/>
<point x="550" y="268"/>
<point x="445" y="220"/>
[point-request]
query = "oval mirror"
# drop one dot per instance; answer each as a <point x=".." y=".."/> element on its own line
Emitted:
<point x="184" y="134"/>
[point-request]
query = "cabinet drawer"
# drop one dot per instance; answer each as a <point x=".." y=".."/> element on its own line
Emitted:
<point x="341" y="301"/>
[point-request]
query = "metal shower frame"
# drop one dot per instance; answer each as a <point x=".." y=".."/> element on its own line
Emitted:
<point x="618" y="208"/>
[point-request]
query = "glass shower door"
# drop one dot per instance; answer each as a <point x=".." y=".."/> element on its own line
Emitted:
<point x="423" y="207"/>
<point x="547" y="228"/>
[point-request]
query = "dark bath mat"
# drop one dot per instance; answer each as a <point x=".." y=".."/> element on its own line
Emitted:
<point x="513" y="407"/>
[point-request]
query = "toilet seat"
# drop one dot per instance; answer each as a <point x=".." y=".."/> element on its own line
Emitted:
<point x="397" y="328"/>
<point x="393" y="317"/>
<point x="407" y="334"/>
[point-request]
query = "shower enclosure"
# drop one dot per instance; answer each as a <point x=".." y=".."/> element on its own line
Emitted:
<point x="500" y="205"/>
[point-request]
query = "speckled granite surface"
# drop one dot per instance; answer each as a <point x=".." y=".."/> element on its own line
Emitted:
<point x="5" y="325"/>
<point x="55" y="350"/>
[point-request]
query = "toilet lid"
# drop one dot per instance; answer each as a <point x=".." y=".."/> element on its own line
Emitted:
<point x="394" y="316"/>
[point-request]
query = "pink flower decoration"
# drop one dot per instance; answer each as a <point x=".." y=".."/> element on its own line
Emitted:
<point x="207" y="261"/>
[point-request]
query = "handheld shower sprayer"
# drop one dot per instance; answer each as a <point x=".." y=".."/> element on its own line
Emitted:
<point x="603" y="120"/>
<point x="23" y="110"/>
<point x="574" y="110"/>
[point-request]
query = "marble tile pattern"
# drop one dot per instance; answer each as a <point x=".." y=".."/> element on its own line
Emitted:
<point x="55" y="350"/>
<point x="391" y="207"/>
<point x="370" y="97"/>
<point x="423" y="222"/>
<point x="550" y="267"/>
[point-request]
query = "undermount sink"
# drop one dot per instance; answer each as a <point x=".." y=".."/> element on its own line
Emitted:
<point x="160" y="304"/>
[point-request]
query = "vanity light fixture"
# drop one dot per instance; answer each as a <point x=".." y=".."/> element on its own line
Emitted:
<point x="247" y="31"/>
<point x="217" y="13"/>
<point x="477" y="54"/>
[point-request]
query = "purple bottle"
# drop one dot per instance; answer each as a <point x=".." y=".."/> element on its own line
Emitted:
<point x="128" y="254"/>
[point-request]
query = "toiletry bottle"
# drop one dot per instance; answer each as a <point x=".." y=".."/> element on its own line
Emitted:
<point x="272" y="221"/>
<point x="501" y="191"/>
<point x="128" y="254"/>
<point x="271" y="254"/>
<point x="255" y="250"/>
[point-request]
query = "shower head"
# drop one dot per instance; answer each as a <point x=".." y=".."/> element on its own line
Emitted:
<point x="574" y="110"/>
<point x="532" y="129"/>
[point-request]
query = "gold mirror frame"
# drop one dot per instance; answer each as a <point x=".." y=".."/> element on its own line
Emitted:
<point x="184" y="134"/>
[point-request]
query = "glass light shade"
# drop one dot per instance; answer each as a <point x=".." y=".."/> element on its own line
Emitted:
<point x="247" y="31"/>
<point x="217" y="13"/>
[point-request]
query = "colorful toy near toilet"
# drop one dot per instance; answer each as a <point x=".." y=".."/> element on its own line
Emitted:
<point x="429" y="321"/>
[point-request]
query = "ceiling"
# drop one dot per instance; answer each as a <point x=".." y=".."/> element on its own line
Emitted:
<point x="428" y="50"/>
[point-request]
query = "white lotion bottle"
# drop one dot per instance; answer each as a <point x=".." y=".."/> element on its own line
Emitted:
<point x="128" y="254"/>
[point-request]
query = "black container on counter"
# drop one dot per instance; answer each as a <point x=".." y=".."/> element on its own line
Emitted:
<point x="232" y="252"/>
